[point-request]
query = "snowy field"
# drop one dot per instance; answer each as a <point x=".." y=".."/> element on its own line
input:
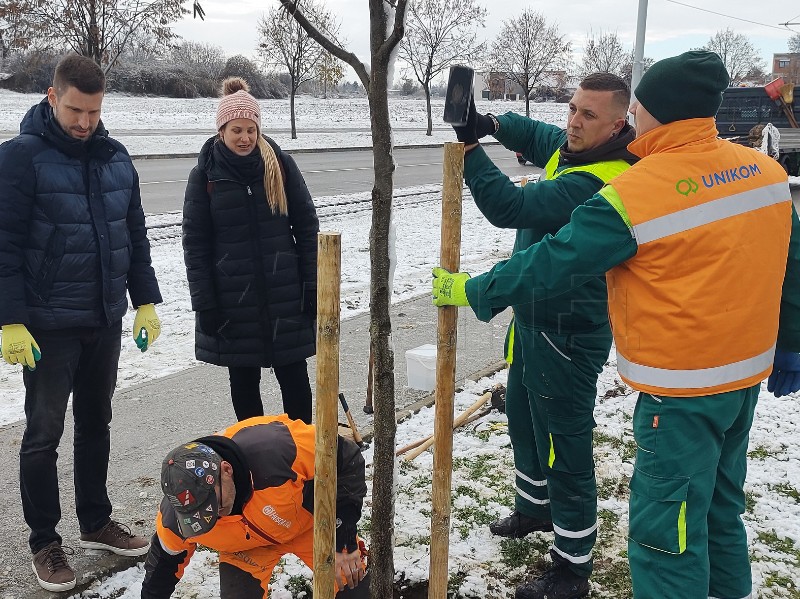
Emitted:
<point x="481" y="565"/>
<point x="176" y="126"/>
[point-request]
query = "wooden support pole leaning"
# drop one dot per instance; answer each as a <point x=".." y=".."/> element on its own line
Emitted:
<point x="449" y="258"/>
<point x="328" y="290"/>
<point x="415" y="449"/>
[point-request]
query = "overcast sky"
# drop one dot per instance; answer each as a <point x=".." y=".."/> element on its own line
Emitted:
<point x="672" y="27"/>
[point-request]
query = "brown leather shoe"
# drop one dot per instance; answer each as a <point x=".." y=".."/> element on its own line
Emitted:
<point x="52" y="570"/>
<point x="116" y="538"/>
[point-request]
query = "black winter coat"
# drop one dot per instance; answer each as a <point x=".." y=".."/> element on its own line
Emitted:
<point x="256" y="270"/>
<point x="72" y="229"/>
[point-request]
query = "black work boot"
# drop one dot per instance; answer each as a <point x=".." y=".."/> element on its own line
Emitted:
<point x="517" y="525"/>
<point x="559" y="582"/>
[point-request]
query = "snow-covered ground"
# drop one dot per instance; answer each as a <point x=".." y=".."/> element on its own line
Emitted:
<point x="174" y="126"/>
<point x="481" y="565"/>
<point x="487" y="567"/>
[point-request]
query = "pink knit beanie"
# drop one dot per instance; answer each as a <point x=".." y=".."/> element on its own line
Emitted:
<point x="236" y="103"/>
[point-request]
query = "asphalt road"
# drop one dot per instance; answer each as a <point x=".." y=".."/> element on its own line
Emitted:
<point x="163" y="181"/>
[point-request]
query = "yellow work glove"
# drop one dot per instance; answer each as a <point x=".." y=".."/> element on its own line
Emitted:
<point x="19" y="346"/>
<point x="146" y="326"/>
<point x="449" y="288"/>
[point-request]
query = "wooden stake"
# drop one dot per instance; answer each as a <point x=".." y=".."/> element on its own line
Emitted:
<point x="328" y="290"/>
<point x="462" y="419"/>
<point x="449" y="258"/>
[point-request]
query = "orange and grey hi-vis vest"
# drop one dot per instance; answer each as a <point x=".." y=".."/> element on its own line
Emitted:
<point x="695" y="311"/>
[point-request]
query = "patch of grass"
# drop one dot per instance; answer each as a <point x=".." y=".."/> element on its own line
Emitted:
<point x="613" y="487"/>
<point x="762" y="453"/>
<point x="524" y="553"/>
<point x="300" y="586"/>
<point x="454" y="583"/>
<point x="787" y="586"/>
<point x="614" y="577"/>
<point x="786" y="490"/>
<point x="774" y="542"/>
<point x="414" y="540"/>
<point x="750" y="500"/>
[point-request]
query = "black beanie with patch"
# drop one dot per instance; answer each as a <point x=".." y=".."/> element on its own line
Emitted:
<point x="682" y="87"/>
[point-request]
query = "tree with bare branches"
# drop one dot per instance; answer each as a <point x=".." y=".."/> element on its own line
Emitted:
<point x="604" y="53"/>
<point x="526" y="48"/>
<point x="736" y="52"/>
<point x="386" y="27"/>
<point x="440" y="33"/>
<point x="283" y="43"/>
<point x="99" y="29"/>
<point x="793" y="44"/>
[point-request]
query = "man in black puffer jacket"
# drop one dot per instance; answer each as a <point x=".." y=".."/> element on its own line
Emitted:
<point x="72" y="241"/>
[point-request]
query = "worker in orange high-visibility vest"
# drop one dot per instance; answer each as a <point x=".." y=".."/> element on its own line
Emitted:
<point x="704" y="306"/>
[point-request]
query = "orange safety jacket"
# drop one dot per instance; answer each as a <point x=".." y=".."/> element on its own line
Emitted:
<point x="279" y="453"/>
<point x="695" y="311"/>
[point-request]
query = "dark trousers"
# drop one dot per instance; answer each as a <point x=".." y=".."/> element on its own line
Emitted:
<point x="294" y="384"/>
<point x="81" y="361"/>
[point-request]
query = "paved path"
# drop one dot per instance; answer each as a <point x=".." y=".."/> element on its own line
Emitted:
<point x="152" y="418"/>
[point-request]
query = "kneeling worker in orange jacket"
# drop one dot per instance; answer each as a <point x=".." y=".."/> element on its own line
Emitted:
<point x="248" y="492"/>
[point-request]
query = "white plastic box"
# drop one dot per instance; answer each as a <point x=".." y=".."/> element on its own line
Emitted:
<point x="421" y="367"/>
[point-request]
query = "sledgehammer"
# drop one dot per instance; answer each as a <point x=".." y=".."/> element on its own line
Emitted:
<point x="351" y="421"/>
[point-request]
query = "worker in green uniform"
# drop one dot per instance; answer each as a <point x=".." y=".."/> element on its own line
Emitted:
<point x="555" y="348"/>
<point x="704" y="306"/>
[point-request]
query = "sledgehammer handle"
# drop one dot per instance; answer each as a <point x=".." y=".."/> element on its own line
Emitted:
<point x="351" y="421"/>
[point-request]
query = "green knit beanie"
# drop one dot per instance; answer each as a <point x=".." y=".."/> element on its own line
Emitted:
<point x="688" y="86"/>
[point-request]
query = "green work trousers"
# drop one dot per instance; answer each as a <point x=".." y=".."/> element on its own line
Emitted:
<point x="550" y="396"/>
<point x="686" y="536"/>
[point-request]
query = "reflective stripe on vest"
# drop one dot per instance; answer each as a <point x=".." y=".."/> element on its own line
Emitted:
<point x="697" y="216"/>
<point x="604" y="170"/>
<point x="695" y="379"/>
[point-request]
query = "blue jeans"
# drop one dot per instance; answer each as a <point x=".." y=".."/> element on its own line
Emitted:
<point x="81" y="361"/>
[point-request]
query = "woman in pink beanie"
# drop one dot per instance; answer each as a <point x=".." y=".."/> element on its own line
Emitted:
<point x="250" y="247"/>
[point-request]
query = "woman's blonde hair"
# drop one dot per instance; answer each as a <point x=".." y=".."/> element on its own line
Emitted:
<point x="273" y="177"/>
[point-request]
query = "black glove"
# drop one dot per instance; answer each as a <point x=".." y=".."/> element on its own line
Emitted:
<point x="485" y="125"/>
<point x="478" y="126"/>
<point x="466" y="133"/>
<point x="209" y="322"/>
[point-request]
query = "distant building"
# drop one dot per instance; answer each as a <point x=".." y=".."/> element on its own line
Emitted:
<point x="493" y="85"/>
<point x="787" y="65"/>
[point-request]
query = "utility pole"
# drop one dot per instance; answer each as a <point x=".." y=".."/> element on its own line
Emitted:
<point x="638" y="49"/>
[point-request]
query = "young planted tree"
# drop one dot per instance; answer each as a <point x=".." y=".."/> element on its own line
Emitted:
<point x="527" y="47"/>
<point x="386" y="27"/>
<point x="17" y="33"/>
<point x="440" y="33"/>
<point x="736" y="51"/>
<point x="100" y="29"/>
<point x="283" y="43"/>
<point x="329" y="72"/>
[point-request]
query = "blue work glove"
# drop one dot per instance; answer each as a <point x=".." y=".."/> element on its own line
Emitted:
<point x="785" y="377"/>
<point x="449" y="288"/>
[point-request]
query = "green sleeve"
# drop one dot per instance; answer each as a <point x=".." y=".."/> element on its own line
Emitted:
<point x="545" y="205"/>
<point x="789" y="328"/>
<point x="535" y="140"/>
<point x="595" y="240"/>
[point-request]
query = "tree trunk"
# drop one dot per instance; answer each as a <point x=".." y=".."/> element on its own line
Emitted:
<point x="291" y="110"/>
<point x="382" y="528"/>
<point x="427" y="88"/>
<point x="528" y="104"/>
